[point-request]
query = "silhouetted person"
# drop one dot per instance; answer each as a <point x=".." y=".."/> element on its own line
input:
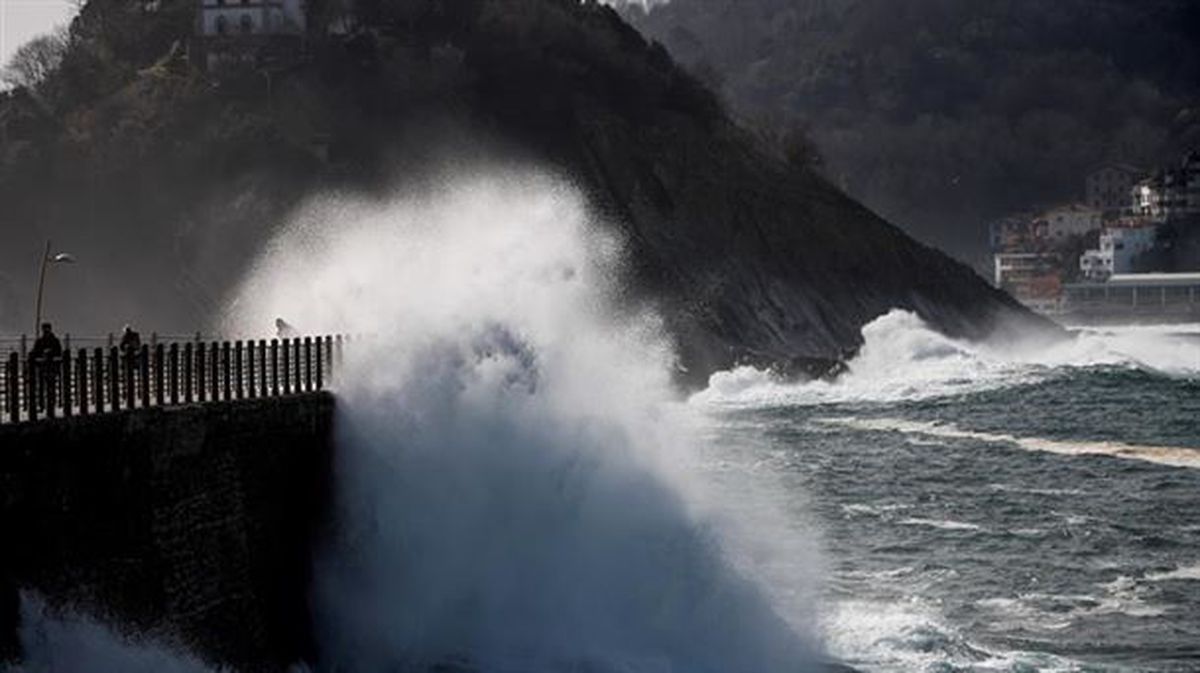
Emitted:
<point x="46" y="351"/>
<point x="131" y="342"/>
<point x="47" y="345"/>
<point x="283" y="330"/>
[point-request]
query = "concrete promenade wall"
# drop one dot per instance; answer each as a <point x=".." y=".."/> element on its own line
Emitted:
<point x="191" y="523"/>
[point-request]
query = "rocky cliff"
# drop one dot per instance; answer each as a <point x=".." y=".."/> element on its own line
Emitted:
<point x="170" y="178"/>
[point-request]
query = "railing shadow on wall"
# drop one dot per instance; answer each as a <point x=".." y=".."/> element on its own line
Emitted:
<point x="87" y="381"/>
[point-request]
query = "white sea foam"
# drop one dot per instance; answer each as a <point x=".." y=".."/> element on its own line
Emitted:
<point x="940" y="524"/>
<point x="911" y="635"/>
<point x="64" y="642"/>
<point x="1173" y="456"/>
<point x="1188" y="573"/>
<point x="516" y="485"/>
<point x="902" y="358"/>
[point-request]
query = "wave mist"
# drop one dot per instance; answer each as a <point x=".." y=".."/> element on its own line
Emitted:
<point x="514" y="480"/>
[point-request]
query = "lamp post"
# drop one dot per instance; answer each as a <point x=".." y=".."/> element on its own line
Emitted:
<point x="47" y="260"/>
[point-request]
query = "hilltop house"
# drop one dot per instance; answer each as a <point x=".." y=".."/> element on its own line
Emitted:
<point x="1107" y="188"/>
<point x="248" y="32"/>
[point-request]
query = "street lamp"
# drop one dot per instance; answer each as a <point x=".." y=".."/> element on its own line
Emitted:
<point x="47" y="260"/>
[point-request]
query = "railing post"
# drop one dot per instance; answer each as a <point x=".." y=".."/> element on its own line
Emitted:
<point x="50" y="368"/>
<point x="201" y="369"/>
<point x="321" y="362"/>
<point x="98" y="378"/>
<point x="263" y="369"/>
<point x="251" y="379"/>
<point x="129" y="363"/>
<point x="12" y="391"/>
<point x="173" y="372"/>
<point x="114" y="378"/>
<point x="159" y="363"/>
<point x="275" y="367"/>
<point x="64" y="375"/>
<point x="239" y="390"/>
<point x="214" y="371"/>
<point x="189" y="365"/>
<point x="286" y="347"/>
<point x="298" y="365"/>
<point x="81" y="381"/>
<point x="226" y="366"/>
<point x="144" y="374"/>
<point x="308" y="365"/>
<point x="31" y="391"/>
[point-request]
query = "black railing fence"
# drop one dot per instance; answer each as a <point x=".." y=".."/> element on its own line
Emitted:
<point x="100" y="380"/>
<point x="21" y="344"/>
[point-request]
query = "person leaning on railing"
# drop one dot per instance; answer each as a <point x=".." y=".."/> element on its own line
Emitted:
<point x="46" y="353"/>
<point x="47" y="345"/>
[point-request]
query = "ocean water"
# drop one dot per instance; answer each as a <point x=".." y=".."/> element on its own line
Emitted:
<point x="992" y="509"/>
<point x="520" y="488"/>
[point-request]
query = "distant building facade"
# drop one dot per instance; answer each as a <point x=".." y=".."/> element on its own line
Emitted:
<point x="1032" y="278"/>
<point x="249" y="32"/>
<point x="1108" y="187"/>
<point x="1171" y="192"/>
<point x="1061" y="223"/>
<point x="1119" y="247"/>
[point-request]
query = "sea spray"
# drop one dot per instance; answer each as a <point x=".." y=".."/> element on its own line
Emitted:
<point x="514" y="481"/>
<point x="60" y="641"/>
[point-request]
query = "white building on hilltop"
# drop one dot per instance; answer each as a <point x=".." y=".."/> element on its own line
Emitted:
<point x="234" y="32"/>
<point x="251" y="17"/>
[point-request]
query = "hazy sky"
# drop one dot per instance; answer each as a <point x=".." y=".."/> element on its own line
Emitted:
<point x="21" y="20"/>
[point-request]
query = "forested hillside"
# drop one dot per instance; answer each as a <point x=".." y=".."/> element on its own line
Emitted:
<point x="943" y="114"/>
<point x="168" y="178"/>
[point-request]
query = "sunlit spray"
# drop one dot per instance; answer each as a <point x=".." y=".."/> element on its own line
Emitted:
<point x="515" y="483"/>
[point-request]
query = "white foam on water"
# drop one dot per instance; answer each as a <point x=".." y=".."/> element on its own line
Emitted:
<point x="940" y="524"/>
<point x="517" y="484"/>
<point x="1182" y="573"/>
<point x="903" y="358"/>
<point x="65" y="642"/>
<point x="1172" y="456"/>
<point x="911" y="635"/>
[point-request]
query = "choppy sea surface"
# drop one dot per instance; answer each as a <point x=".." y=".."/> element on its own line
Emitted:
<point x="987" y="510"/>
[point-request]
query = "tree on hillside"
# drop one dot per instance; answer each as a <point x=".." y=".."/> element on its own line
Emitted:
<point x="35" y="60"/>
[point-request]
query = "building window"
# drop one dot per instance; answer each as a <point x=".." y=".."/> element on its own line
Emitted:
<point x="222" y="25"/>
<point x="247" y="24"/>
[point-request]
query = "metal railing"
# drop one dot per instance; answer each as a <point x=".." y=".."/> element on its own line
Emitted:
<point x="101" y="380"/>
<point x="21" y="343"/>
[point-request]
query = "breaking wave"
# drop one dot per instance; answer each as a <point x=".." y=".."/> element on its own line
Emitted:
<point x="514" y="480"/>
<point x="903" y="358"/>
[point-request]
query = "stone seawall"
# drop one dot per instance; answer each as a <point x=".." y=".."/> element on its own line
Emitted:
<point x="191" y="524"/>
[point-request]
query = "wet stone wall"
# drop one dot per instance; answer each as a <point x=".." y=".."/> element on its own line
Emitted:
<point x="192" y="524"/>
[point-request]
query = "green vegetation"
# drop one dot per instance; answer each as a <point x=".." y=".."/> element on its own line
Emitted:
<point x="945" y="114"/>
